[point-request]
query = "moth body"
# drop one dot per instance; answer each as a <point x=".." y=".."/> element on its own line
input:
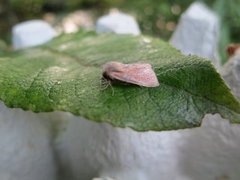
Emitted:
<point x="137" y="73"/>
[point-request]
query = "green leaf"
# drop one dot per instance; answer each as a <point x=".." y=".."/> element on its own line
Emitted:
<point x="65" y="75"/>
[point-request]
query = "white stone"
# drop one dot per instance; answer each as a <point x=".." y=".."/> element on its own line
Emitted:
<point x="82" y="150"/>
<point x="89" y="149"/>
<point x="26" y="146"/>
<point x="231" y="73"/>
<point x="31" y="33"/>
<point x="104" y="178"/>
<point x="197" y="33"/>
<point x="117" y="22"/>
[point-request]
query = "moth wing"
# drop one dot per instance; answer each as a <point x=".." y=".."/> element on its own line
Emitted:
<point x="139" y="74"/>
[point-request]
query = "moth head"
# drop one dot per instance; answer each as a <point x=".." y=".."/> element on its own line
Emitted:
<point x="112" y="67"/>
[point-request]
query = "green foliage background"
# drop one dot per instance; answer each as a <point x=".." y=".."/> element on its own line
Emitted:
<point x="156" y="17"/>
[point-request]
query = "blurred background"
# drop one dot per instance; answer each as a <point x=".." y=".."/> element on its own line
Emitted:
<point x="155" y="17"/>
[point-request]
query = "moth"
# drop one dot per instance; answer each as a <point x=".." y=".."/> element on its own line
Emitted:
<point x="137" y="73"/>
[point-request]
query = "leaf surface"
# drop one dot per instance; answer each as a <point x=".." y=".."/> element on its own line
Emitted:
<point x="65" y="75"/>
